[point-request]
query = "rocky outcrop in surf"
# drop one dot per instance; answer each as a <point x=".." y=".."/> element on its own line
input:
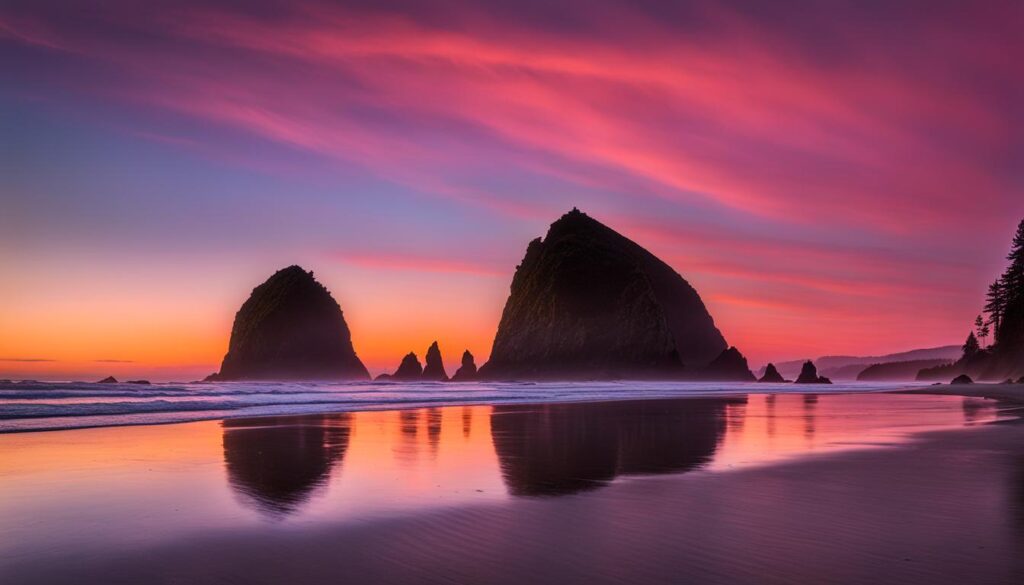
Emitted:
<point x="588" y="303"/>
<point x="434" y="369"/>
<point x="729" y="366"/>
<point x="467" y="371"/>
<point x="772" y="375"/>
<point x="409" y="369"/>
<point x="809" y="375"/>
<point x="290" y="328"/>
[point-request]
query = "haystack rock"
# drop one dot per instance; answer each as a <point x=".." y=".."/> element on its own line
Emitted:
<point x="290" y="328"/>
<point x="467" y="371"/>
<point x="434" y="368"/>
<point x="772" y="375"/>
<point x="962" y="379"/>
<point x="108" y="380"/>
<point x="409" y="369"/>
<point x="587" y="303"/>
<point x="730" y="366"/>
<point x="809" y="375"/>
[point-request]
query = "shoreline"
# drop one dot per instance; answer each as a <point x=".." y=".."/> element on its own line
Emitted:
<point x="741" y="389"/>
<point x="1011" y="393"/>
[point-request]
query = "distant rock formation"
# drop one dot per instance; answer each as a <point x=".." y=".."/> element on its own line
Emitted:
<point x="467" y="371"/>
<point x="772" y="376"/>
<point x="897" y="370"/>
<point x="290" y="328"/>
<point x="588" y="303"/>
<point x="434" y="368"/>
<point x="730" y="365"/>
<point x="962" y="379"/>
<point x="409" y="369"/>
<point x="143" y="382"/>
<point x="809" y="375"/>
<point x="108" y="380"/>
<point x="847" y="367"/>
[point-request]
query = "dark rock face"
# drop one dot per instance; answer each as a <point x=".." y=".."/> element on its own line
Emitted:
<point x="434" y="370"/>
<point x="467" y="371"/>
<point x="290" y="328"/>
<point x="409" y="369"/>
<point x="809" y="375"/>
<point x="588" y="303"/>
<point x="108" y="380"/>
<point x="143" y="382"/>
<point x="772" y="375"/>
<point x="962" y="379"/>
<point x="730" y="365"/>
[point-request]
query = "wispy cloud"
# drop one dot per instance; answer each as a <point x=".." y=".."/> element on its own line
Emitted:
<point x="27" y="360"/>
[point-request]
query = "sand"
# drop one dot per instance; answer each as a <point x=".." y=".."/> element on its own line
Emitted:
<point x="947" y="509"/>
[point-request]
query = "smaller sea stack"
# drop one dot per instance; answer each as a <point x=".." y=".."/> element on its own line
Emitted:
<point x="729" y="366"/>
<point x="433" y="371"/>
<point x="409" y="369"/>
<point x="962" y="379"/>
<point x="467" y="371"/>
<point x="772" y="375"/>
<point x="809" y="375"/>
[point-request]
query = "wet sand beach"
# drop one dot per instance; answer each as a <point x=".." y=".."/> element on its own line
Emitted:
<point x="850" y="488"/>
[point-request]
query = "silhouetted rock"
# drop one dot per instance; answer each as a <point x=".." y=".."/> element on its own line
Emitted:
<point x="290" y="328"/>
<point x="772" y="375"/>
<point x="962" y="379"/>
<point x="809" y="375"/>
<point x="434" y="368"/>
<point x="467" y="371"/>
<point x="1021" y="380"/>
<point x="588" y="303"/>
<point x="409" y="369"/>
<point x="143" y="382"/>
<point x="730" y="365"/>
<point x="108" y="380"/>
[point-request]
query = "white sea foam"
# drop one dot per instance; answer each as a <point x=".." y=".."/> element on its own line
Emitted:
<point x="37" y="406"/>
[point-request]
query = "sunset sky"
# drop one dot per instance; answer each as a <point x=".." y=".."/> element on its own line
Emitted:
<point x="835" y="177"/>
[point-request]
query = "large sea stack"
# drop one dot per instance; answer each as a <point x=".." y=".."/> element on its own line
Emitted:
<point x="588" y="303"/>
<point x="290" y="328"/>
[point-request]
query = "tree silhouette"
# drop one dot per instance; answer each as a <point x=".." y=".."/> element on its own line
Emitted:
<point x="971" y="346"/>
<point x="995" y="306"/>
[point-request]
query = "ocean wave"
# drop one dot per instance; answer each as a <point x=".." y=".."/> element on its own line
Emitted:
<point x="55" y="405"/>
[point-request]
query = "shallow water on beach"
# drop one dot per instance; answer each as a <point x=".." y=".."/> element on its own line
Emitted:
<point x="71" y="499"/>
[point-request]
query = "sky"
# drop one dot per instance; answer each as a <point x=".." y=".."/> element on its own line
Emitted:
<point x="832" y="177"/>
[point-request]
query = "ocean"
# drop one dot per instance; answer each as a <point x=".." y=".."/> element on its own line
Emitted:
<point x="40" y="406"/>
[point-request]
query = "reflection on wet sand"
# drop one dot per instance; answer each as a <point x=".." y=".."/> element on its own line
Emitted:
<point x="556" y="449"/>
<point x="276" y="463"/>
